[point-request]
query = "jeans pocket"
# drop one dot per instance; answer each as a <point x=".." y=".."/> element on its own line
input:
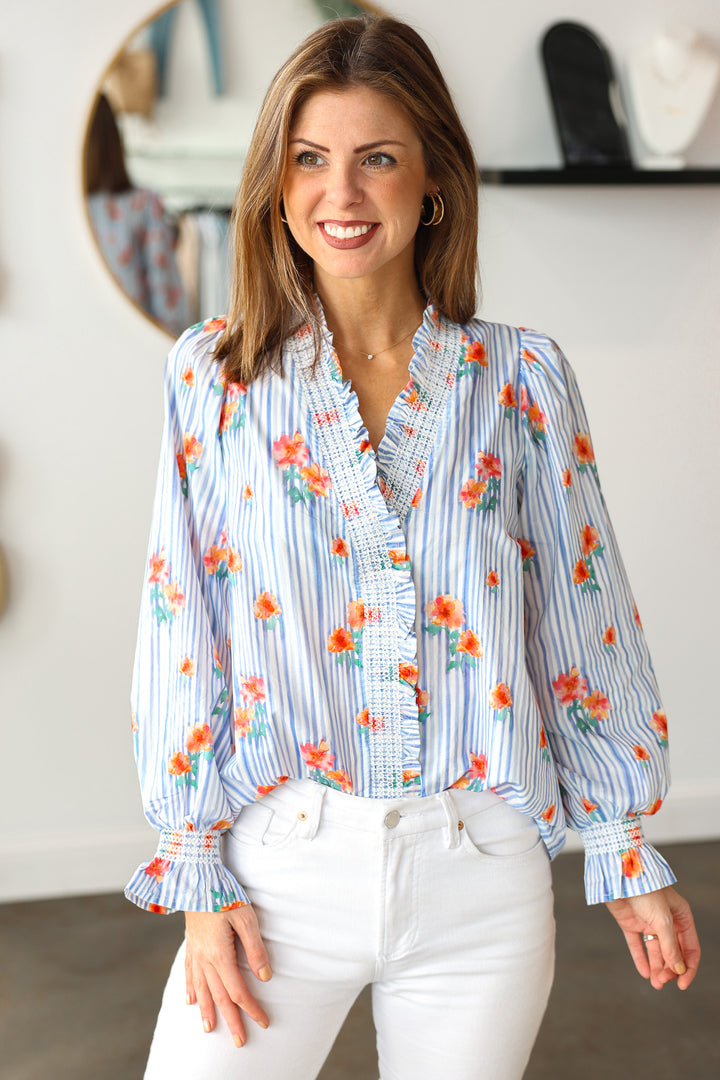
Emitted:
<point x="257" y="825"/>
<point x="500" y="833"/>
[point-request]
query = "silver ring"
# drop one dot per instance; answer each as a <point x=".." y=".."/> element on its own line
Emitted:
<point x="650" y="937"/>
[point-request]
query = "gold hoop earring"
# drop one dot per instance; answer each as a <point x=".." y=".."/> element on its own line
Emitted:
<point x="438" y="209"/>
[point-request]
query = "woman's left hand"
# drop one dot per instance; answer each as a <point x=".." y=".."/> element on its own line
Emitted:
<point x="674" y="952"/>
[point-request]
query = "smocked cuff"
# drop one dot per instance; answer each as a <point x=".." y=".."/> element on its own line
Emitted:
<point x="187" y="874"/>
<point x="619" y="863"/>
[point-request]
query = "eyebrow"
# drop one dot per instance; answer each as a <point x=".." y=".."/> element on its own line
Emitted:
<point x="357" y="150"/>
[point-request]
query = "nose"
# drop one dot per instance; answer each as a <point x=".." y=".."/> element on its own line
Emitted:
<point x="344" y="186"/>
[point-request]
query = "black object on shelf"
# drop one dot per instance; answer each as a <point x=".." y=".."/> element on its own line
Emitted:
<point x="585" y="96"/>
<point x="601" y="174"/>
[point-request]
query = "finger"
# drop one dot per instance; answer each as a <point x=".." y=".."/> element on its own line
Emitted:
<point x="229" y="1010"/>
<point x="205" y="1001"/>
<point x="660" y="971"/>
<point x="637" y="951"/>
<point x="246" y="927"/>
<point x="190" y="995"/>
<point x="237" y="990"/>
<point x="666" y="951"/>
<point x="688" y="938"/>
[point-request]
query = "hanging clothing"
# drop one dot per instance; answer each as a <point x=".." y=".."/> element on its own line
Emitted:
<point x="449" y="612"/>
<point x="138" y="243"/>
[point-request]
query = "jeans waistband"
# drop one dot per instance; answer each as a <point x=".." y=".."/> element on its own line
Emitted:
<point x="312" y="802"/>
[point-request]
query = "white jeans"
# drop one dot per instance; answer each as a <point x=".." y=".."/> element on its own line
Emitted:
<point x="443" y="903"/>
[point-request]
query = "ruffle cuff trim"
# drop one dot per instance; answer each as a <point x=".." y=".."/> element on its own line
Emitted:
<point x="619" y="863"/>
<point x="187" y="874"/>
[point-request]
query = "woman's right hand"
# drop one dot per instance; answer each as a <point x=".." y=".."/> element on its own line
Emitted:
<point x="212" y="975"/>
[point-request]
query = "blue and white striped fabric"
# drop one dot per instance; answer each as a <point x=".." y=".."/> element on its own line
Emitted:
<point x="449" y="612"/>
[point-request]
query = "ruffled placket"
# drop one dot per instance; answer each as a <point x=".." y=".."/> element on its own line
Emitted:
<point x="375" y="495"/>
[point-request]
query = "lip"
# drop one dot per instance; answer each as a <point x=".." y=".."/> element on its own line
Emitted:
<point x="349" y="242"/>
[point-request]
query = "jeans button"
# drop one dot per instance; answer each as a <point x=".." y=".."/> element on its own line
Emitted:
<point x="392" y="819"/>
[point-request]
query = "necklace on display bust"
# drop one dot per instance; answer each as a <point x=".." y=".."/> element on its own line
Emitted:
<point x="379" y="352"/>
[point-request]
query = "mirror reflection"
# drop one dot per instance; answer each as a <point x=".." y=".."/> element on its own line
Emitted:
<point x="166" y="141"/>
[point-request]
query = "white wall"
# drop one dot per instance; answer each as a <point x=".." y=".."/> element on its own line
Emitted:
<point x="627" y="280"/>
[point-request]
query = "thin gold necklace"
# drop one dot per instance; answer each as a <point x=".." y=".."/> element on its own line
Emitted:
<point x="371" y="356"/>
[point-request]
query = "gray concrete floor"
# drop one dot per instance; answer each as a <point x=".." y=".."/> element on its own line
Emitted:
<point x="80" y="981"/>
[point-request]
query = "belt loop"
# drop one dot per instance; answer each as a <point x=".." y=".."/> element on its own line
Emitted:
<point x="311" y="810"/>
<point x="452" y="835"/>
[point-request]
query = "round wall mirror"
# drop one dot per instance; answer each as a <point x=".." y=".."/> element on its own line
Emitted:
<point x="166" y="138"/>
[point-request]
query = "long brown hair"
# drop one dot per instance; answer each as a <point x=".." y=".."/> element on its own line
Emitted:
<point x="272" y="292"/>
<point x="104" y="158"/>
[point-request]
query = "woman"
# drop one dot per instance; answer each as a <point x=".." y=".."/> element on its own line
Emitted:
<point x="387" y="646"/>
<point x="131" y="228"/>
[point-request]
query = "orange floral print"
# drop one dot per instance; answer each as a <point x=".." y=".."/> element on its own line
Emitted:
<point x="589" y="540"/>
<point x="492" y="581"/>
<point x="597" y="705"/>
<point x="187" y="667"/>
<point x="584" y="453"/>
<point x="659" y="725"/>
<point x="609" y="639"/>
<point x="193" y="450"/>
<point x="584" y="708"/>
<point x="408" y="673"/>
<point x="590" y="809"/>
<point x="545" y="753"/>
<point x="501" y="700"/>
<point x="581" y="572"/>
<point x="340" y="640"/>
<point x="636" y="615"/>
<point x="653" y="809"/>
<point x="356" y="614"/>
<point x="507" y="399"/>
<point x="188" y="377"/>
<point x="199" y="739"/>
<point x="213" y="558"/>
<point x="549" y="814"/>
<point x="290" y="450"/>
<point x="536" y="421"/>
<point x="165" y="597"/>
<point x="339" y="550"/>
<point x="158" y="868"/>
<point x="247" y="493"/>
<point x="267" y="609"/>
<point x="566" y="479"/>
<point x="265" y="789"/>
<point x="422" y="700"/>
<point x="243" y="719"/>
<point x="159" y="568"/>
<point x="174" y="597"/>
<point x="318" y="757"/>
<point x="179" y="764"/>
<point x="252" y="688"/>
<point x="569" y="688"/>
<point x="473" y="779"/>
<point x="317" y="479"/>
<point x="415" y="502"/>
<point x="472" y="357"/>
<point x="488" y="466"/>
<point x="471" y="494"/>
<point x="641" y="754"/>
<point x="632" y="864"/>
<point x="527" y="551"/>
<point x="338" y="779"/>
<point x="234" y="562"/>
<point x="469" y="643"/>
<point x="399" y="559"/>
<point x="445" y="611"/>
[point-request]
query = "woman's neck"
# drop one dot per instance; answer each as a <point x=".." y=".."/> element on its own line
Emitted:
<point x="367" y="321"/>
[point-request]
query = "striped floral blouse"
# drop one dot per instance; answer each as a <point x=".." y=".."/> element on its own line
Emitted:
<point x="450" y="611"/>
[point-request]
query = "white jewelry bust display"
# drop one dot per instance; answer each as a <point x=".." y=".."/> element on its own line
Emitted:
<point x="672" y="83"/>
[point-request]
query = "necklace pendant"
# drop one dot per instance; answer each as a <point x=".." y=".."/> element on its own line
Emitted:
<point x="370" y="356"/>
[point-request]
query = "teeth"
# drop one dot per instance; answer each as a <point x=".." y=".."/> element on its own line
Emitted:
<point x="341" y="233"/>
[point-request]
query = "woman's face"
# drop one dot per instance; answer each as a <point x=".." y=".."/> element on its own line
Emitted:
<point x="354" y="186"/>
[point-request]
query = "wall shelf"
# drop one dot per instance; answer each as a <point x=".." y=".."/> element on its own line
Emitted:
<point x="600" y="174"/>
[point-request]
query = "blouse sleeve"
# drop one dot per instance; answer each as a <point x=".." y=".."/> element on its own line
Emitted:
<point x="181" y="697"/>
<point x="585" y="649"/>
